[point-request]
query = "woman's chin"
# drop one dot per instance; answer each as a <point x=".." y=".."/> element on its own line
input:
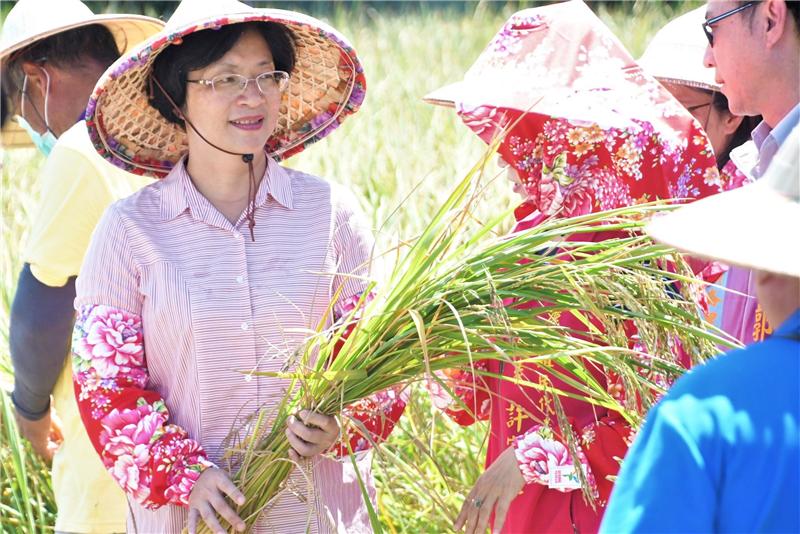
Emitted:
<point x="249" y="144"/>
<point x="251" y="136"/>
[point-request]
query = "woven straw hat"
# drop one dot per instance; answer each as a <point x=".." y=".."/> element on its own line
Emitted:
<point x="752" y="226"/>
<point x="675" y="54"/>
<point x="326" y="86"/>
<point x="30" y="21"/>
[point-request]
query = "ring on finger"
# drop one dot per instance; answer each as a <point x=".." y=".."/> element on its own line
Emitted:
<point x="476" y="502"/>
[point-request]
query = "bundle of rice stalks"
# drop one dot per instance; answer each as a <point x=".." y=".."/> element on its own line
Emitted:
<point x="448" y="303"/>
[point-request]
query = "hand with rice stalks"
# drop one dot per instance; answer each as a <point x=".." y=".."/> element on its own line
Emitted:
<point x="309" y="434"/>
<point x="543" y="439"/>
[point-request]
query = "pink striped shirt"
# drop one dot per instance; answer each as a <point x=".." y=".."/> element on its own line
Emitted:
<point x="210" y="302"/>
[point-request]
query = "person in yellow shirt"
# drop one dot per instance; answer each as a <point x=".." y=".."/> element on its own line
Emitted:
<point x="52" y="53"/>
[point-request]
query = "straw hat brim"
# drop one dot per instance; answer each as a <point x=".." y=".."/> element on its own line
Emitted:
<point x="444" y="96"/>
<point x="715" y="87"/>
<point x="128" y="31"/>
<point x="752" y="227"/>
<point x="326" y="86"/>
<point x="449" y="94"/>
<point x="748" y="227"/>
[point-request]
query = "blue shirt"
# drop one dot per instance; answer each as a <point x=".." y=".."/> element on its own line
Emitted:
<point x="720" y="452"/>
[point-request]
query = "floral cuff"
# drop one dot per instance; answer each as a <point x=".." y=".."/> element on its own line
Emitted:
<point x="544" y="460"/>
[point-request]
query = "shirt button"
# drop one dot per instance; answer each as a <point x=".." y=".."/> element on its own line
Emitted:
<point x="245" y="326"/>
<point x="240" y="279"/>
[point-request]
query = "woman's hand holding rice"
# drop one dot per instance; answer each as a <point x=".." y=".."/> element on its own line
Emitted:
<point x="311" y="433"/>
<point x="207" y="500"/>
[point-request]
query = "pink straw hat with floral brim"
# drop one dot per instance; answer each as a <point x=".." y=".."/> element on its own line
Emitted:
<point x="754" y="227"/>
<point x="675" y="54"/>
<point x="326" y="86"/>
<point x="544" y="57"/>
<point x="30" y="21"/>
<point x="583" y="125"/>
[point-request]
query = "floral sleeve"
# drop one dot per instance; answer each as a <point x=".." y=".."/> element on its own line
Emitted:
<point x="152" y="460"/>
<point x="372" y="419"/>
<point x="544" y="458"/>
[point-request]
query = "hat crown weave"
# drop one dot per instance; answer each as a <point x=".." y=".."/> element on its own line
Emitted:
<point x="29" y="18"/>
<point x="189" y="11"/>
<point x="675" y="54"/>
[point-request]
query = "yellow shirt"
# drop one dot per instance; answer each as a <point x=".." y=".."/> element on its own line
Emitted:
<point x="76" y="187"/>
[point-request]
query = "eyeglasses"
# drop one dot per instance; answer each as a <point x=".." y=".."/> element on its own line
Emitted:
<point x="691" y="109"/>
<point x="232" y="85"/>
<point x="709" y="31"/>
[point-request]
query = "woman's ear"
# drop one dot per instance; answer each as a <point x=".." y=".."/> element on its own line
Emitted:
<point x="731" y="122"/>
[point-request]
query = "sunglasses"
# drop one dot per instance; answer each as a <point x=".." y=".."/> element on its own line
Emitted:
<point x="709" y="31"/>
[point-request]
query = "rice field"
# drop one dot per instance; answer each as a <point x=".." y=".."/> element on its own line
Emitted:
<point x="400" y="156"/>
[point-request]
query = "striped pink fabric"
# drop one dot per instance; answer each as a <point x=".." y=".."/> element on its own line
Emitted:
<point x="214" y="303"/>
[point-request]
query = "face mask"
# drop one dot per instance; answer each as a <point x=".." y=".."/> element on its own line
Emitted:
<point x="46" y="141"/>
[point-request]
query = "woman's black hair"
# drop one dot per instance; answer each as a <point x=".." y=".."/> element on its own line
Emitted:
<point x="200" y="49"/>
<point x="742" y="133"/>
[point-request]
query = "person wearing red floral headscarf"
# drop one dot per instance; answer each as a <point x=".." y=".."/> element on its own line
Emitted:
<point x="583" y="129"/>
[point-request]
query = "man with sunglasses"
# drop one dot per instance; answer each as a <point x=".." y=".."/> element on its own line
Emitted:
<point x="755" y="48"/>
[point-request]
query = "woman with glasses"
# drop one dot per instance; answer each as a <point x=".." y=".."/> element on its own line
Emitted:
<point x="222" y="269"/>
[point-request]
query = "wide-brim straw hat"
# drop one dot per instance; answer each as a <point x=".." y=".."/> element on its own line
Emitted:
<point x="326" y="86"/>
<point x="675" y="54"/>
<point x="754" y="227"/>
<point x="30" y="21"/>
